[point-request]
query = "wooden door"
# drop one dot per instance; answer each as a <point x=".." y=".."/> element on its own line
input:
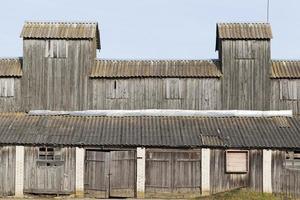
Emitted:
<point x="50" y="178"/>
<point x="110" y="174"/>
<point x="122" y="173"/>
<point x="173" y="173"/>
<point x="96" y="174"/>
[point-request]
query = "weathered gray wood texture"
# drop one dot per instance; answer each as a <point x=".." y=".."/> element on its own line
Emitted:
<point x="195" y="94"/>
<point x="64" y="84"/>
<point x="49" y="179"/>
<point x="56" y="83"/>
<point x="173" y="173"/>
<point x="278" y="162"/>
<point x="110" y="174"/>
<point x="285" y="95"/>
<point x="246" y="68"/>
<point x="10" y="94"/>
<point x="7" y="169"/>
<point x="220" y="181"/>
<point x="285" y="181"/>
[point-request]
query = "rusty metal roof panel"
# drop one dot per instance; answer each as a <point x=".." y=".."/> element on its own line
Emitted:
<point x="244" y="31"/>
<point x="285" y="69"/>
<point x="227" y="132"/>
<point x="61" y="30"/>
<point x="10" y="67"/>
<point x="155" y="68"/>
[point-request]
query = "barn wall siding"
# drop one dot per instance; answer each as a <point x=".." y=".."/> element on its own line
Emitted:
<point x="37" y="178"/>
<point x="7" y="169"/>
<point x="278" y="160"/>
<point x="56" y="83"/>
<point x="285" y="95"/>
<point x="220" y="181"/>
<point x="10" y="97"/>
<point x="246" y="67"/>
<point x="151" y="93"/>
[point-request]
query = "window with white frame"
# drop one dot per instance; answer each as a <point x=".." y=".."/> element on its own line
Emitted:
<point x="292" y="159"/>
<point x="237" y="161"/>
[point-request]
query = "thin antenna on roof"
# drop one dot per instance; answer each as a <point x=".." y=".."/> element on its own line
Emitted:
<point x="268" y="10"/>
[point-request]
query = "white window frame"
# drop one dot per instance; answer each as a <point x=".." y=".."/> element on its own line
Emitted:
<point x="227" y="152"/>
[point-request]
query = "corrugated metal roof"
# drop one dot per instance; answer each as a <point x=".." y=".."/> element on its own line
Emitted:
<point x="233" y="132"/>
<point x="285" y="69"/>
<point x="156" y="68"/>
<point x="10" y="67"/>
<point x="61" y="30"/>
<point x="244" y="31"/>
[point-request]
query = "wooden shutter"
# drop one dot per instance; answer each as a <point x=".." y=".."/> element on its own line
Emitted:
<point x="288" y="90"/>
<point x="236" y="161"/>
<point x="173" y="88"/>
<point x="7" y="88"/>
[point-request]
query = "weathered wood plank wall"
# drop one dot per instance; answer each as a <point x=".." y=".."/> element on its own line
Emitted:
<point x="195" y="94"/>
<point x="256" y="170"/>
<point x="221" y="181"/>
<point x="285" y="95"/>
<point x="246" y="67"/>
<point x="39" y="179"/>
<point x="278" y="160"/>
<point x="7" y="169"/>
<point x="173" y="173"/>
<point x="10" y="97"/>
<point x="56" y="83"/>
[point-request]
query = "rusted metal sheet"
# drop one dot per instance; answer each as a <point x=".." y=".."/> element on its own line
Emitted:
<point x="180" y="132"/>
<point x="61" y="30"/>
<point x="156" y="68"/>
<point x="10" y="67"/>
<point x="285" y="69"/>
<point x="244" y="31"/>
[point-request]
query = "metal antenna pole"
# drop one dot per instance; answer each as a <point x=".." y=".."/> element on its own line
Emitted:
<point x="268" y="11"/>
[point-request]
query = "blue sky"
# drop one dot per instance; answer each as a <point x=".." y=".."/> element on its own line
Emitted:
<point x="155" y="29"/>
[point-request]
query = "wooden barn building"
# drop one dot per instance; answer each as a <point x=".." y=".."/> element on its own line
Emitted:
<point x="74" y="124"/>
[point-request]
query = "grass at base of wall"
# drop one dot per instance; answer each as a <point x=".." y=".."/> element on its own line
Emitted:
<point x="243" y="194"/>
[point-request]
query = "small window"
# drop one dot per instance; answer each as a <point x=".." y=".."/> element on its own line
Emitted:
<point x="289" y="90"/>
<point x="56" y="49"/>
<point x="117" y="89"/>
<point x="49" y="154"/>
<point x="292" y="159"/>
<point x="237" y="161"/>
<point x="173" y="88"/>
<point x="7" y="87"/>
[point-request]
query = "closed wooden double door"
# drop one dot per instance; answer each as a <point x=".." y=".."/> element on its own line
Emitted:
<point x="173" y="173"/>
<point x="110" y="173"/>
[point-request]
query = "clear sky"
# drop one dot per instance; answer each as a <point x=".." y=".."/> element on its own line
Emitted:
<point x="155" y="29"/>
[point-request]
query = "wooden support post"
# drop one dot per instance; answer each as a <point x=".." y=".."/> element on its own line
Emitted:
<point x="267" y="171"/>
<point x="79" y="185"/>
<point x="19" y="176"/>
<point x="205" y="172"/>
<point x="140" y="172"/>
